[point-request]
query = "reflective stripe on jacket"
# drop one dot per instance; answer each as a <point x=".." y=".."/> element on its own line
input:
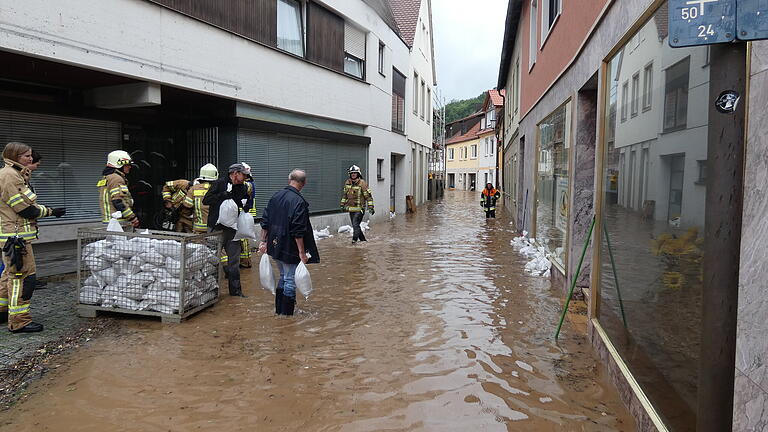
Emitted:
<point x="113" y="187"/>
<point x="488" y="198"/>
<point x="194" y="201"/>
<point x="356" y="196"/>
<point x="175" y="192"/>
<point x="15" y="197"/>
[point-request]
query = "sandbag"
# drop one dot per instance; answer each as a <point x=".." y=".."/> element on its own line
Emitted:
<point x="303" y="281"/>
<point x="228" y="213"/>
<point x="114" y="224"/>
<point x="266" y="275"/>
<point x="246" y="228"/>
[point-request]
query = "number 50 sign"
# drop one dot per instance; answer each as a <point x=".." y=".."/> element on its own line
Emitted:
<point x="701" y="22"/>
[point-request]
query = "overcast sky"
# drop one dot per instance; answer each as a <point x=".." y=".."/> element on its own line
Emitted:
<point x="468" y="37"/>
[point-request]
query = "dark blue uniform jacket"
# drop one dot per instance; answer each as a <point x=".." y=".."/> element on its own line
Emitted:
<point x="287" y="218"/>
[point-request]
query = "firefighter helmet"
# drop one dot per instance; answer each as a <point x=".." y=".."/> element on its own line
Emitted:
<point x="209" y="172"/>
<point x="118" y="159"/>
<point x="355" y="169"/>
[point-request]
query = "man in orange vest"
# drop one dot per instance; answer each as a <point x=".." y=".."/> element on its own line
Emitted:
<point x="488" y="198"/>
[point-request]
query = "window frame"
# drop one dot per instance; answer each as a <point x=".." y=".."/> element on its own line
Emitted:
<point x="648" y="87"/>
<point x="473" y="151"/>
<point x="450" y="153"/>
<point x="429" y="106"/>
<point x="302" y="27"/>
<point x="634" y="109"/>
<point x="415" y="93"/>
<point x="533" y="34"/>
<point x="423" y="94"/>
<point x="398" y="101"/>
<point x="382" y="47"/>
<point x="684" y="90"/>
<point x="624" y="99"/>
<point x="379" y="169"/>
<point x="546" y="18"/>
<point x="361" y="62"/>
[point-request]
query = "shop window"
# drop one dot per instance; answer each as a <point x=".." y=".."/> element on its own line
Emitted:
<point x="552" y="182"/>
<point x="676" y="95"/>
<point x="650" y="274"/>
<point x="289" y="28"/>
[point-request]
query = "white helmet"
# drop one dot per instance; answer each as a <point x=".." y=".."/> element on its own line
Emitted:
<point x="247" y="168"/>
<point x="354" y="169"/>
<point x="209" y="172"/>
<point x="118" y="159"/>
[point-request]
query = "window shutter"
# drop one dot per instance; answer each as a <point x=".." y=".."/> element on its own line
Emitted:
<point x="325" y="37"/>
<point x="354" y="41"/>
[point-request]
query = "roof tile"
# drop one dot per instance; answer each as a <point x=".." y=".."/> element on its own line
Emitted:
<point x="406" y="14"/>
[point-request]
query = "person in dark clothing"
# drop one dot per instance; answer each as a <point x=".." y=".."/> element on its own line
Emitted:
<point x="287" y="236"/>
<point x="230" y="187"/>
<point x="488" y="198"/>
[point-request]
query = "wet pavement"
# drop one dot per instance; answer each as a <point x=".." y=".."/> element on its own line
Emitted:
<point x="429" y="326"/>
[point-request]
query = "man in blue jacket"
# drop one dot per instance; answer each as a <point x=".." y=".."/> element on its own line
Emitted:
<point x="287" y="236"/>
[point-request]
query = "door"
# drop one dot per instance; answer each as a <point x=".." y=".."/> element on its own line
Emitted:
<point x="675" y="209"/>
<point x="392" y="177"/>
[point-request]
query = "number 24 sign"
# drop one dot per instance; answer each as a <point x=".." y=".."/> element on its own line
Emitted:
<point x="701" y="22"/>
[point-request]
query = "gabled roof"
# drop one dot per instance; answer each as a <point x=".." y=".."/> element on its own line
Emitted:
<point x="470" y="135"/>
<point x="495" y="97"/>
<point x="406" y="13"/>
<point x="384" y="10"/>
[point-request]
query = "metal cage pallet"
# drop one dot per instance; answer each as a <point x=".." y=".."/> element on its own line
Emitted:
<point x="156" y="273"/>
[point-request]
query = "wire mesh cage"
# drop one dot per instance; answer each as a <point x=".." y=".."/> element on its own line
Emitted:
<point x="160" y="273"/>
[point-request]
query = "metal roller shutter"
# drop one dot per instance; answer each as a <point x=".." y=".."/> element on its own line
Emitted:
<point x="74" y="153"/>
<point x="272" y="156"/>
<point x="354" y="41"/>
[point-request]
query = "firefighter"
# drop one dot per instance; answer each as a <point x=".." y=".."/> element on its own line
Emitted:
<point x="488" y="198"/>
<point x="18" y="212"/>
<point x="194" y="199"/>
<point x="354" y="199"/>
<point x="113" y="190"/>
<point x="250" y="207"/>
<point x="174" y="194"/>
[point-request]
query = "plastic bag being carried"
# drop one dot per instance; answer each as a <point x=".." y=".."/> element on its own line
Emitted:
<point x="303" y="281"/>
<point x="114" y="224"/>
<point x="246" y="228"/>
<point x="266" y="275"/>
<point x="228" y="214"/>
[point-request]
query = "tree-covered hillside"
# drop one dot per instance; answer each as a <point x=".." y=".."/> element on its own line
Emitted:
<point x="457" y="109"/>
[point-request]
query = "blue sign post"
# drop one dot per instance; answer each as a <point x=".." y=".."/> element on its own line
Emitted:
<point x="701" y="22"/>
<point x="752" y="19"/>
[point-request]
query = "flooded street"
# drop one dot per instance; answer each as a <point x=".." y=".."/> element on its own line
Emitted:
<point x="429" y="326"/>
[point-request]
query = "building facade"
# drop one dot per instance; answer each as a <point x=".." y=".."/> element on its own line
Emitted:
<point x="611" y="132"/>
<point x="279" y="84"/>
<point x="462" y="164"/>
<point x="488" y="161"/>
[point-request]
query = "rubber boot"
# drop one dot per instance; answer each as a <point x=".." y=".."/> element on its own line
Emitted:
<point x="32" y="327"/>
<point x="288" y="305"/>
<point x="279" y="301"/>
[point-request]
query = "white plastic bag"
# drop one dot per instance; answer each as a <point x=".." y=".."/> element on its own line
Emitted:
<point x="114" y="224"/>
<point x="266" y="275"/>
<point x="228" y="212"/>
<point x="246" y="228"/>
<point x="303" y="281"/>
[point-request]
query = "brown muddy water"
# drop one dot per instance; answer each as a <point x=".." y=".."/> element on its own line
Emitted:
<point x="429" y="326"/>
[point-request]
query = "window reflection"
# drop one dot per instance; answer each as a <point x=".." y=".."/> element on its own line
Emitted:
<point x="552" y="183"/>
<point x="653" y="209"/>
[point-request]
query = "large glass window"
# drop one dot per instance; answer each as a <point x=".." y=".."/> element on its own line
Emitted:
<point x="653" y="208"/>
<point x="552" y="184"/>
<point x="398" y="101"/>
<point x="289" y="29"/>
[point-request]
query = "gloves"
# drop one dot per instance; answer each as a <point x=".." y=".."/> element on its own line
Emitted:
<point x="59" y="211"/>
<point x="370" y="209"/>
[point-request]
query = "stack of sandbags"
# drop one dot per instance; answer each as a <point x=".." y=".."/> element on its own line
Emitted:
<point x="145" y="274"/>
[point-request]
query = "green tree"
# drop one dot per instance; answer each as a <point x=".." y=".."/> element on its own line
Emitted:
<point x="458" y="109"/>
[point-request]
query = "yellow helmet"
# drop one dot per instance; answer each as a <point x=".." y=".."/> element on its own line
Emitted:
<point x="118" y="159"/>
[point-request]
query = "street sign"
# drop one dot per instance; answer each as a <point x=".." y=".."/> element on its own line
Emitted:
<point x="752" y="19"/>
<point x="701" y="22"/>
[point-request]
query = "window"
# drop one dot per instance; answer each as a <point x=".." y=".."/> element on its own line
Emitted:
<point x="485" y="147"/>
<point x="450" y="154"/>
<point x="429" y="106"/>
<point x="379" y="169"/>
<point x="289" y="29"/>
<point x="624" y="99"/>
<point x="647" y="86"/>
<point x="533" y="36"/>
<point x="398" y="101"/>
<point x="676" y="96"/>
<point x="415" y="93"/>
<point x="381" y="57"/>
<point x="482" y="123"/>
<point x="354" y="51"/>
<point x="635" y="93"/>
<point x="551" y="9"/>
<point x="474" y="151"/>
<point x="702" y="180"/>
<point x="516" y="84"/>
<point x="491" y="144"/>
<point x="423" y="106"/>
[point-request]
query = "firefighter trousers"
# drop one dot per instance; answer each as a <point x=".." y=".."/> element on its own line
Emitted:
<point x="16" y="288"/>
<point x="184" y="225"/>
<point x="245" y="254"/>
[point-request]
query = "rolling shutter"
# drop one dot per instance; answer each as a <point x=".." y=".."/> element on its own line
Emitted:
<point x="272" y="156"/>
<point x="74" y="154"/>
<point x="354" y="41"/>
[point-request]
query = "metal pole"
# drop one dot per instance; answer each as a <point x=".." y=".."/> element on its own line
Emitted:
<point x="722" y="237"/>
<point x="575" y="278"/>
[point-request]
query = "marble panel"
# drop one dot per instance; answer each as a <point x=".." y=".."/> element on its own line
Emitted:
<point x="759" y="56"/>
<point x="750" y="406"/>
<point x="752" y="324"/>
